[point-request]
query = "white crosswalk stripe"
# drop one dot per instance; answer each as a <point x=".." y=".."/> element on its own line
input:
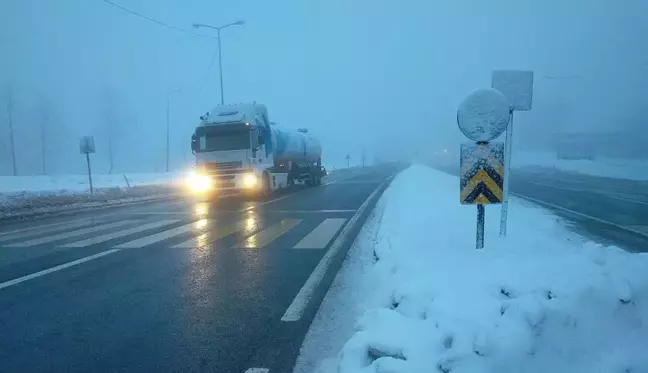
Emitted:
<point x="200" y="233"/>
<point x="47" y="228"/>
<point x="319" y="237"/>
<point x="70" y="234"/>
<point x="197" y="227"/>
<point x="118" y="234"/>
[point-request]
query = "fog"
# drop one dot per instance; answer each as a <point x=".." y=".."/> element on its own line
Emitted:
<point x="382" y="76"/>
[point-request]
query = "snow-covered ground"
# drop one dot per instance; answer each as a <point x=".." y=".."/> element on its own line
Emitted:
<point x="414" y="295"/>
<point x="614" y="168"/>
<point x="62" y="184"/>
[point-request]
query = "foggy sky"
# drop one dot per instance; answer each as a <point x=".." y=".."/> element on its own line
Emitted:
<point x="384" y="76"/>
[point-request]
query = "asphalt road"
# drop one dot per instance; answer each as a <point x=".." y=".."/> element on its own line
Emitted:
<point x="174" y="286"/>
<point x="613" y="211"/>
<point x="606" y="210"/>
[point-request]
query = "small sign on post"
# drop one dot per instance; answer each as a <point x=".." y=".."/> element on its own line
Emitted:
<point x="482" y="117"/>
<point x="87" y="146"/>
<point x="517" y="87"/>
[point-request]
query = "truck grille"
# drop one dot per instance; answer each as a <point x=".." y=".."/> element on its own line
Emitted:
<point x="223" y="166"/>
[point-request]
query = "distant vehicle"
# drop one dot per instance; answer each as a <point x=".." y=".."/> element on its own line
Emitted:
<point x="239" y="151"/>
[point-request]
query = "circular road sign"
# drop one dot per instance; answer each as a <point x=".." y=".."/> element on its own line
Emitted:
<point x="483" y="115"/>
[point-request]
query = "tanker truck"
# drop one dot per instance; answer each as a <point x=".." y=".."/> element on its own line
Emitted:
<point x="239" y="151"/>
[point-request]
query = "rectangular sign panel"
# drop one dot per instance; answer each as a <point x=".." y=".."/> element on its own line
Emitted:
<point x="481" y="174"/>
<point x="516" y="85"/>
<point x="87" y="145"/>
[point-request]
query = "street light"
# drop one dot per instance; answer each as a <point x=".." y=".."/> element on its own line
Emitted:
<point x="168" y="109"/>
<point x="220" y="60"/>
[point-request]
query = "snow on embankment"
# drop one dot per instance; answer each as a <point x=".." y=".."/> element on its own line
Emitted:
<point x="606" y="167"/>
<point x="423" y="299"/>
<point x="29" y="195"/>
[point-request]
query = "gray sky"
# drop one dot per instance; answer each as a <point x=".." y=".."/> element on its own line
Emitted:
<point x="387" y="76"/>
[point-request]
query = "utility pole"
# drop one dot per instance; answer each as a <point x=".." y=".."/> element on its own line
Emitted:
<point x="43" y="152"/>
<point x="363" y="158"/>
<point x="10" y="108"/>
<point x="220" y="56"/>
<point x="168" y="125"/>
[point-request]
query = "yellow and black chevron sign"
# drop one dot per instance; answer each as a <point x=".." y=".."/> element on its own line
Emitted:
<point x="482" y="173"/>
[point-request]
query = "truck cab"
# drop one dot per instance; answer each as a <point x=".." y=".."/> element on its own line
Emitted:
<point x="233" y="150"/>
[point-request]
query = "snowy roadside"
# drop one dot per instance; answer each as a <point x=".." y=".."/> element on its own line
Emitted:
<point x="27" y="196"/>
<point x="415" y="296"/>
<point x="604" y="167"/>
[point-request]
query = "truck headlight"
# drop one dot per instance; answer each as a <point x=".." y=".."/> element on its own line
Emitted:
<point x="199" y="183"/>
<point x="250" y="180"/>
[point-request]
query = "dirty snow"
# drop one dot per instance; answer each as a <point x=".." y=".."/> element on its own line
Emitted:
<point x="415" y="296"/>
<point x="62" y="184"/>
<point x="627" y="169"/>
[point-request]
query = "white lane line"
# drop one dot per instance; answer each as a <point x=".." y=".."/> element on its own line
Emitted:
<point x="313" y="211"/>
<point x="57" y="268"/>
<point x="74" y="233"/>
<point x="123" y="233"/>
<point x="215" y="234"/>
<point x="26" y="232"/>
<point x="154" y="238"/>
<point x="298" y="305"/>
<point x="257" y="370"/>
<point x="319" y="237"/>
<point x="622" y="227"/>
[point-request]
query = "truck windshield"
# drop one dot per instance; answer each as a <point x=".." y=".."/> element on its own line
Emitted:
<point x="210" y="140"/>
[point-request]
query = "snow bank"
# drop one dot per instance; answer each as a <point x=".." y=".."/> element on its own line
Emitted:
<point x="606" y="167"/>
<point x="425" y="300"/>
<point x="26" y="196"/>
<point x="67" y="184"/>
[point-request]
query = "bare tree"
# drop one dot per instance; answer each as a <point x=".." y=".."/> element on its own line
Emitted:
<point x="9" y="103"/>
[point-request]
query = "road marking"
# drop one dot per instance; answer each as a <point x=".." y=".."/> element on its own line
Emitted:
<point x="313" y="211"/>
<point x="209" y="237"/>
<point x="26" y="232"/>
<point x="268" y="235"/>
<point x="57" y="268"/>
<point x="622" y="227"/>
<point x="319" y="237"/>
<point x="74" y="233"/>
<point x="298" y="305"/>
<point x="110" y="236"/>
<point x="155" y="238"/>
<point x="257" y="370"/>
<point x="641" y="228"/>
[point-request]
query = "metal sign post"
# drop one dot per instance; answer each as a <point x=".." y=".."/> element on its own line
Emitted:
<point x="87" y="147"/>
<point x="482" y="117"/>
<point x="517" y="87"/>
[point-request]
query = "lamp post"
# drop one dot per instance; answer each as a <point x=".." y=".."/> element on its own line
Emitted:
<point x="168" y="120"/>
<point x="220" y="58"/>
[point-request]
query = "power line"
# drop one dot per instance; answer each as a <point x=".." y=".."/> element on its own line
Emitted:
<point x="155" y="20"/>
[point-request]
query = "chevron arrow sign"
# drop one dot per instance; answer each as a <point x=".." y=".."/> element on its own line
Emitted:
<point x="482" y="173"/>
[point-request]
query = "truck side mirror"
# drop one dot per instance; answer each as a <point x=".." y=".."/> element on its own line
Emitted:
<point x="261" y="140"/>
<point x="194" y="143"/>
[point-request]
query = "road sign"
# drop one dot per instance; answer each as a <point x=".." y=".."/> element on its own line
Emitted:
<point x="482" y="173"/>
<point x="483" y="115"/>
<point x="517" y="87"/>
<point x="87" y="145"/>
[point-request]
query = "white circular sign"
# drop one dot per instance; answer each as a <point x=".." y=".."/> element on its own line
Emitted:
<point x="483" y="115"/>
